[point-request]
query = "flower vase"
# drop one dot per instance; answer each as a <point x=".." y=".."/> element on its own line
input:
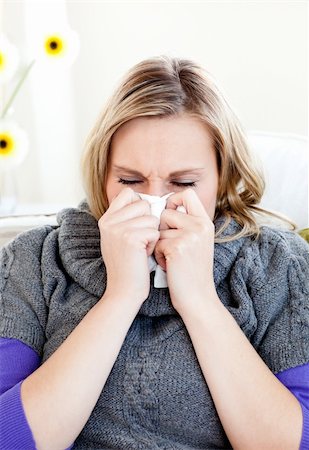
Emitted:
<point x="8" y="192"/>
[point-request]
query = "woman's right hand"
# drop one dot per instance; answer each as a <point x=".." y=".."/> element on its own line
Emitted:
<point x="129" y="234"/>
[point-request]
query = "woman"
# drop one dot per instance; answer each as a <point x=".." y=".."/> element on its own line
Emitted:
<point x="219" y="359"/>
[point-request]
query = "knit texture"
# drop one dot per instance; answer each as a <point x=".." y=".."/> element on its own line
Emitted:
<point x="156" y="396"/>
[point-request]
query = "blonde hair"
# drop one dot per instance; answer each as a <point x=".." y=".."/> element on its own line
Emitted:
<point x="166" y="86"/>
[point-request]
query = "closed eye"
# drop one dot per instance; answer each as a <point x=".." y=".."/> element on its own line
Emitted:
<point x="123" y="181"/>
<point x="174" y="183"/>
<point x="184" y="183"/>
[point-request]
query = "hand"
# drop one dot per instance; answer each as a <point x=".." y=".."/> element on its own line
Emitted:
<point x="186" y="250"/>
<point x="129" y="234"/>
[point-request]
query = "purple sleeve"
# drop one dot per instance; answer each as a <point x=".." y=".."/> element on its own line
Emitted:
<point x="17" y="362"/>
<point x="15" y="431"/>
<point x="297" y="381"/>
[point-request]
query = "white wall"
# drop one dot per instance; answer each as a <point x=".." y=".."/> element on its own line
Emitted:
<point x="256" y="50"/>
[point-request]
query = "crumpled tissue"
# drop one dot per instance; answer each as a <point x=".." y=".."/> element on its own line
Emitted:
<point x="157" y="205"/>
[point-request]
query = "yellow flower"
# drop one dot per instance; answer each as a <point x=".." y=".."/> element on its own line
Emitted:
<point x="9" y="59"/>
<point x="13" y="144"/>
<point x="57" y="47"/>
<point x="49" y="49"/>
<point x="54" y="45"/>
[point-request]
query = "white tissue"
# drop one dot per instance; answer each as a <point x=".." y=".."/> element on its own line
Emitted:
<point x="157" y="205"/>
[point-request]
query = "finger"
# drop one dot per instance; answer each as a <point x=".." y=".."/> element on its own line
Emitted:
<point x="132" y="210"/>
<point x="150" y="248"/>
<point x="120" y="227"/>
<point x="140" y="222"/>
<point x="125" y="197"/>
<point x="163" y="245"/>
<point x="145" y="238"/>
<point x="189" y="200"/>
<point x="175" y="219"/>
<point x="170" y="233"/>
<point x="159" y="253"/>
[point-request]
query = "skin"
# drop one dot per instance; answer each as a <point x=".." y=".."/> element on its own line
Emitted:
<point x="163" y="166"/>
<point x="181" y="144"/>
<point x="255" y="409"/>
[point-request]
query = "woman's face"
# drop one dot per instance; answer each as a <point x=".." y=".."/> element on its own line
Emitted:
<point x="156" y="156"/>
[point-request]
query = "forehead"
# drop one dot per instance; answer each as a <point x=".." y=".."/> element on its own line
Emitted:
<point x="153" y="138"/>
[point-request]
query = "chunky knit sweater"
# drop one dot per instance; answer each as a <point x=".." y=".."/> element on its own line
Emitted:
<point x="156" y="395"/>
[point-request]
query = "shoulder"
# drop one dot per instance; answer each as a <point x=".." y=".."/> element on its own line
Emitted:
<point x="25" y="249"/>
<point x="31" y="240"/>
<point x="271" y="255"/>
<point x="289" y="242"/>
<point x="280" y="292"/>
<point x="274" y="264"/>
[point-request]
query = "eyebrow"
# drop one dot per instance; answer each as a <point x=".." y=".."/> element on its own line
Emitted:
<point x="194" y="170"/>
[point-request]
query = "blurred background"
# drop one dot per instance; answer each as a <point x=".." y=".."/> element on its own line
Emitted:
<point x="256" y="50"/>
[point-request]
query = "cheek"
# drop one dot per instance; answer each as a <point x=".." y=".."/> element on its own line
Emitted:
<point x="112" y="189"/>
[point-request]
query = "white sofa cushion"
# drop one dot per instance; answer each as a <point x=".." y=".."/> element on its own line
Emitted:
<point x="284" y="158"/>
<point x="11" y="226"/>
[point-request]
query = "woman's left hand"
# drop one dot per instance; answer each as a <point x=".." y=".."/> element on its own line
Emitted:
<point x="186" y="251"/>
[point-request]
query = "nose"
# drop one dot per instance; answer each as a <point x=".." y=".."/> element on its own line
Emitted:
<point x="155" y="188"/>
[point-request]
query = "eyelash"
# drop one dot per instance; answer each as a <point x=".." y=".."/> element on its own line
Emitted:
<point x="175" y="183"/>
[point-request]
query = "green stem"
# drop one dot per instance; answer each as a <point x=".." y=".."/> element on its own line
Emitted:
<point x="11" y="99"/>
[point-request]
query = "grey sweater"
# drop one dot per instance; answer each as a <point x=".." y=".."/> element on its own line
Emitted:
<point x="156" y="396"/>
